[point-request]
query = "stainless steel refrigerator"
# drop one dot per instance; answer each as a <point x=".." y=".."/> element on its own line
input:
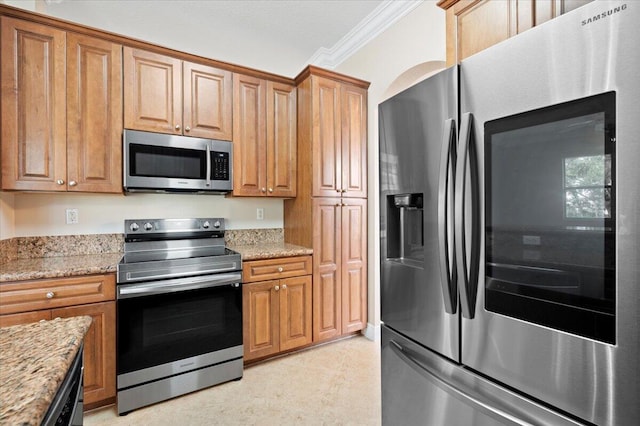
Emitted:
<point x="510" y="231"/>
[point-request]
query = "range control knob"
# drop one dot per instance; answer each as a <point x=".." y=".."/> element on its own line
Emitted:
<point x="216" y="224"/>
<point x="206" y="224"/>
<point x="134" y="227"/>
<point x="148" y="226"/>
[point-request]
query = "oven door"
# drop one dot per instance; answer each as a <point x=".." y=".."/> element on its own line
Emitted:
<point x="172" y="326"/>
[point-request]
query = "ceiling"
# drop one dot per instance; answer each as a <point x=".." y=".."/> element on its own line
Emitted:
<point x="322" y="32"/>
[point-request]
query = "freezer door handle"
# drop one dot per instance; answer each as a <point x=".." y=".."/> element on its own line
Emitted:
<point x="447" y="171"/>
<point x="408" y="356"/>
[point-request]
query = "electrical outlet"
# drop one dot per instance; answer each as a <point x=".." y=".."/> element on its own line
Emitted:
<point x="72" y="216"/>
<point x="260" y="213"/>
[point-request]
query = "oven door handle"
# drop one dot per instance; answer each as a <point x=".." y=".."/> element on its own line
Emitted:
<point x="128" y="291"/>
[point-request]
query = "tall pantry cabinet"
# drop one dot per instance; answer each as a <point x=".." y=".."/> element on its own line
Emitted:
<point x="330" y="210"/>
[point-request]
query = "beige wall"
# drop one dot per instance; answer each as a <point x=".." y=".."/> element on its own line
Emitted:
<point x="7" y="215"/>
<point x="405" y="53"/>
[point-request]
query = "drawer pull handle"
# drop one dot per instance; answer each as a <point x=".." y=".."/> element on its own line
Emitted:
<point x="280" y="269"/>
<point x="50" y="295"/>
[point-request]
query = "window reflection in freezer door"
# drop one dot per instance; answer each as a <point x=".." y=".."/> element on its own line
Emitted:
<point x="550" y="216"/>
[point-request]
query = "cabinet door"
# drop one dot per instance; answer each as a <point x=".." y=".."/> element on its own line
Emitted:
<point x="354" y="142"/>
<point x="327" y="292"/>
<point x="354" y="265"/>
<point x="152" y="92"/>
<point x="327" y="148"/>
<point x="94" y="114"/>
<point x="260" y="307"/>
<point x="34" y="152"/>
<point x="24" y="318"/>
<point x="281" y="140"/>
<point x="99" y="351"/>
<point x="207" y="105"/>
<point x="295" y="312"/>
<point x="249" y="141"/>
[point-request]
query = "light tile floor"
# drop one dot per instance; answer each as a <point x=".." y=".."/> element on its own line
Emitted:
<point x="334" y="384"/>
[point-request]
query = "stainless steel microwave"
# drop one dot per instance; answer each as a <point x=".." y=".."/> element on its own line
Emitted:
<point x="157" y="162"/>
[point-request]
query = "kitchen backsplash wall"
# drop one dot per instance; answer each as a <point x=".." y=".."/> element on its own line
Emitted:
<point x="37" y="214"/>
<point x="241" y="237"/>
<point x="8" y="250"/>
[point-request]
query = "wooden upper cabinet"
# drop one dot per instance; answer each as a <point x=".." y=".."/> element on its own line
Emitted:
<point x="282" y="162"/>
<point x="34" y="145"/>
<point x="326" y="127"/>
<point x="339" y="139"/>
<point x="207" y="103"/>
<point x="249" y="142"/>
<point x="166" y="95"/>
<point x="152" y="92"/>
<point x="354" y="142"/>
<point x="61" y="110"/>
<point x="265" y="140"/>
<point x="94" y="114"/>
<point x="474" y="25"/>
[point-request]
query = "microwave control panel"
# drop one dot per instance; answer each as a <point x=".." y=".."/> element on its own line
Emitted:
<point x="219" y="165"/>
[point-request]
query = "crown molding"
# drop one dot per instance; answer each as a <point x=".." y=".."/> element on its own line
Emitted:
<point x="382" y="17"/>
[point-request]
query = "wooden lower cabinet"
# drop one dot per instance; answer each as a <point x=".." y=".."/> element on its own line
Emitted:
<point x="99" y="351"/>
<point x="277" y="312"/>
<point x="22" y="302"/>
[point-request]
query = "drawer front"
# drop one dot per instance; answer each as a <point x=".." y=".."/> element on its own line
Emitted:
<point x="24" y="318"/>
<point x="273" y="269"/>
<point x="23" y="296"/>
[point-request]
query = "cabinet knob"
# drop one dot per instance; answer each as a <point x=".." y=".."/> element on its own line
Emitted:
<point x="263" y="189"/>
<point x="280" y="269"/>
<point x="50" y="295"/>
<point x="187" y="129"/>
<point x="276" y="288"/>
<point x="60" y="182"/>
<point x="72" y="183"/>
<point x="284" y="286"/>
<point x="343" y="190"/>
<point x="270" y="189"/>
<point x="177" y="127"/>
<point x="338" y="190"/>
<point x="337" y="204"/>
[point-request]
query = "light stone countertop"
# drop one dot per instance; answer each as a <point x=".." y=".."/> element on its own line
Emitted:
<point x="270" y="250"/>
<point x="34" y="360"/>
<point x="59" y="267"/>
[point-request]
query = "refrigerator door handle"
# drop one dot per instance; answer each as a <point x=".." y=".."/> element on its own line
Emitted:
<point x="467" y="270"/>
<point x="485" y="407"/>
<point x="447" y="164"/>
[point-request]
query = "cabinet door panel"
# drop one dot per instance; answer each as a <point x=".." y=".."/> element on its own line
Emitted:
<point x="24" y="318"/>
<point x="281" y="140"/>
<point x="354" y="265"/>
<point x="99" y="350"/>
<point x="260" y="319"/>
<point x="354" y="142"/>
<point x="153" y="92"/>
<point x="94" y="114"/>
<point x="327" y="150"/>
<point x="326" y="268"/>
<point x="249" y="144"/>
<point x="207" y="102"/>
<point x="295" y="312"/>
<point x="474" y="34"/>
<point x="33" y="106"/>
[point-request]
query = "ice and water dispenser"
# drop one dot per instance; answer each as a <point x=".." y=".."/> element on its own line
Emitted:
<point x="405" y="238"/>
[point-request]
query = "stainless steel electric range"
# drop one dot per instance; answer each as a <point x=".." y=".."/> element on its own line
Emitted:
<point x="179" y="310"/>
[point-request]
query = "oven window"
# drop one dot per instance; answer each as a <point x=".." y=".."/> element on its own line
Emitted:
<point x="550" y="216"/>
<point x="154" y="330"/>
<point x="166" y="162"/>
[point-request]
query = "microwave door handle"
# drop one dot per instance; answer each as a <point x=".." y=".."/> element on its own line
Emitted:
<point x="447" y="273"/>
<point x="467" y="269"/>
<point x="208" y="182"/>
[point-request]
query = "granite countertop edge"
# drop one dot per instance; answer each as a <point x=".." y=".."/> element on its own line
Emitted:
<point x="35" y="358"/>
<point x="70" y="266"/>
